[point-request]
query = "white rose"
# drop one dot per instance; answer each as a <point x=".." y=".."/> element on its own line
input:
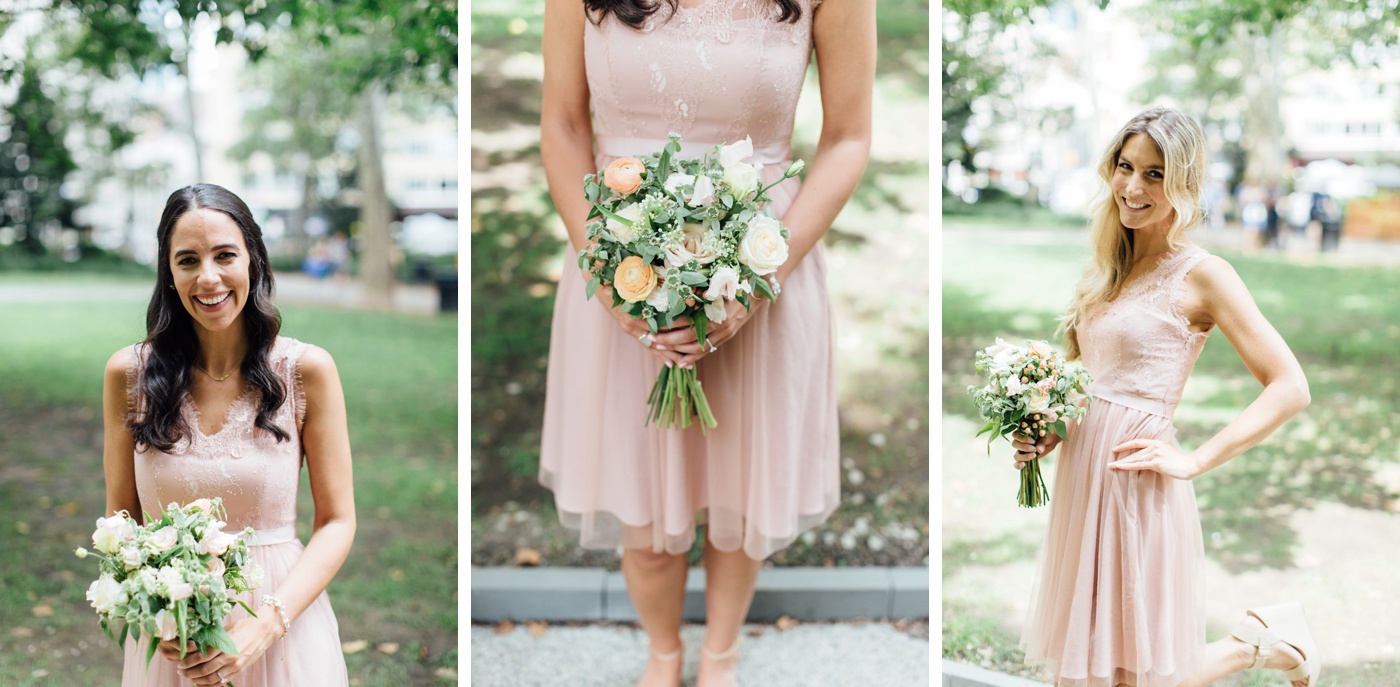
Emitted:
<point x="176" y="588"/>
<point x="1013" y="386"/>
<point x="204" y="505"/>
<point x="106" y="594"/>
<point x="704" y="192"/>
<point x="763" y="247"/>
<point x="163" y="539"/>
<point x="691" y="247"/>
<point x="216" y="567"/>
<point x="660" y="299"/>
<point x="724" y="283"/>
<point x="1037" y="401"/>
<point x="111" y="533"/>
<point x="678" y="179"/>
<point x="716" y="312"/>
<point x="132" y="556"/>
<point x="166" y="624"/>
<point x="742" y="179"/>
<point x="998" y="349"/>
<point x="620" y="232"/>
<point x="731" y="154"/>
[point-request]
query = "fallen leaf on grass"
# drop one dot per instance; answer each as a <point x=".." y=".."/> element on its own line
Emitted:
<point x="22" y="527"/>
<point x="446" y="673"/>
<point x="69" y="509"/>
<point x="388" y="648"/>
<point x="505" y="627"/>
<point x="354" y="647"/>
<point x="42" y="611"/>
<point x="21" y="632"/>
<point x="537" y="629"/>
<point x="396" y="575"/>
<point x="785" y="623"/>
<point x="525" y="557"/>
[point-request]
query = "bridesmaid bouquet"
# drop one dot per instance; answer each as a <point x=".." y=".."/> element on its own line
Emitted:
<point x="676" y="239"/>
<point x="176" y="578"/>
<point x="1030" y="389"/>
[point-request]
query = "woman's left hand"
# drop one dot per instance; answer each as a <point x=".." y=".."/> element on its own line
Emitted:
<point x="251" y="635"/>
<point x="1159" y="456"/>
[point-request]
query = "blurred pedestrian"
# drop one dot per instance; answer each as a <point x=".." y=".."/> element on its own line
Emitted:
<point x="1254" y="215"/>
<point x="1299" y="215"/>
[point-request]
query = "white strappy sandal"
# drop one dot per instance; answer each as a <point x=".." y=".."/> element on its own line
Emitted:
<point x="722" y="655"/>
<point x="1284" y="623"/>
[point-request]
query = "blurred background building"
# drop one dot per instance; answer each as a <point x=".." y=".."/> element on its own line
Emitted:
<point x="140" y="98"/>
<point x="1305" y="100"/>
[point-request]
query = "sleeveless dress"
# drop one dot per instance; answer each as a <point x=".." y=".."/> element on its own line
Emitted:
<point x="1120" y="599"/>
<point x="712" y="73"/>
<point x="257" y="478"/>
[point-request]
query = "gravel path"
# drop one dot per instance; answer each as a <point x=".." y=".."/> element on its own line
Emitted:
<point x="809" y="655"/>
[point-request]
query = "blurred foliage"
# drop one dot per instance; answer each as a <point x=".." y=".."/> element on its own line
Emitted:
<point x="34" y="163"/>
<point x="512" y="303"/>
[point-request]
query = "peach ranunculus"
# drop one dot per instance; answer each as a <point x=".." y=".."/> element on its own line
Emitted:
<point x="634" y="279"/>
<point x="1041" y="349"/>
<point x="624" y="175"/>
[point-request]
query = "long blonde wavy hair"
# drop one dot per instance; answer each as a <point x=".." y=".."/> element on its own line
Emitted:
<point x="1183" y="147"/>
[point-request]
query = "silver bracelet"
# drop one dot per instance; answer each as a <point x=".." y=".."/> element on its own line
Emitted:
<point x="270" y="600"/>
<point x="773" y="281"/>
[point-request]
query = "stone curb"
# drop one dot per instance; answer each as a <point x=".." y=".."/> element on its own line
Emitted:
<point x="561" y="594"/>
<point x="962" y="675"/>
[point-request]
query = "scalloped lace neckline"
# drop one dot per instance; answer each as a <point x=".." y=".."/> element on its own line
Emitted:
<point x="195" y="415"/>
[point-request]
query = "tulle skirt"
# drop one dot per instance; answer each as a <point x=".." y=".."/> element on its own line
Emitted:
<point x="311" y="657"/>
<point x="1119" y="599"/>
<point x="769" y="471"/>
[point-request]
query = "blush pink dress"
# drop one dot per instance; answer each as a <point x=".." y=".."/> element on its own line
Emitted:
<point x="1119" y="600"/>
<point x="712" y="73"/>
<point x="257" y="478"/>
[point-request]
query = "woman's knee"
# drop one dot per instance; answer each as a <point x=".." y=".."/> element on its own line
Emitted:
<point x="649" y="560"/>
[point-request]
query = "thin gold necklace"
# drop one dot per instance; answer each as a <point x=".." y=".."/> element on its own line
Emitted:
<point x="220" y="379"/>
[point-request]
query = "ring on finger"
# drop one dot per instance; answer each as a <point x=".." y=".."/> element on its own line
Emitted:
<point x="646" y="339"/>
<point x="222" y="680"/>
<point x="710" y="345"/>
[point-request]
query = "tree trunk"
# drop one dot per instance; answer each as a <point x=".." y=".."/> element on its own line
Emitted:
<point x="376" y="273"/>
<point x="1265" y="164"/>
<point x="184" y="65"/>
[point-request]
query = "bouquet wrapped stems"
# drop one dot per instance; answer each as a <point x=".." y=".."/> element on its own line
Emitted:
<point x="1033" y="493"/>
<point x="676" y="397"/>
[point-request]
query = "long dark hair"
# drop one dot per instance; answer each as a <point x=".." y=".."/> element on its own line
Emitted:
<point x="634" y="13"/>
<point x="171" y="345"/>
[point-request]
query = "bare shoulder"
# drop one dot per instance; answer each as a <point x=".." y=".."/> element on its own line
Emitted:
<point x="1214" y="276"/>
<point x="121" y="362"/>
<point x="316" y="367"/>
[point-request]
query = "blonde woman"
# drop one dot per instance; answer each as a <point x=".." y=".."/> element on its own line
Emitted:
<point x="1119" y="600"/>
<point x="619" y="77"/>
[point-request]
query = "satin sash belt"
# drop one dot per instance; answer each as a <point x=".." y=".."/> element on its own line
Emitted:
<point x="615" y="147"/>
<point x="276" y="535"/>
<point x="1151" y="406"/>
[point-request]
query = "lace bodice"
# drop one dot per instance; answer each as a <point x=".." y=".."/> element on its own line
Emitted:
<point x="1140" y="344"/>
<point x="255" y="474"/>
<point x="712" y="72"/>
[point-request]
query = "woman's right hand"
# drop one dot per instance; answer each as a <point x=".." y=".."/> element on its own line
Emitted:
<point x="1028" y="449"/>
<point x="635" y="328"/>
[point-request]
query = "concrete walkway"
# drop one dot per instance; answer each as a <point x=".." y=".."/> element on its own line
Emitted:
<point x="809" y="655"/>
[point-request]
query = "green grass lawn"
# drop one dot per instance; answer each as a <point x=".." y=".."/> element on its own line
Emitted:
<point x="1342" y="322"/>
<point x="399" y="585"/>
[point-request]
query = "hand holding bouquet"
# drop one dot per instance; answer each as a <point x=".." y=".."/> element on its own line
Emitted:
<point x="1031" y="391"/>
<point x="676" y="240"/>
<point x="176" y="578"/>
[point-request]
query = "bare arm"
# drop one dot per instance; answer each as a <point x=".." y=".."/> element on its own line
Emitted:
<point x="844" y="34"/>
<point x="566" y="129"/>
<point x="1217" y="296"/>
<point x="118" y="448"/>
